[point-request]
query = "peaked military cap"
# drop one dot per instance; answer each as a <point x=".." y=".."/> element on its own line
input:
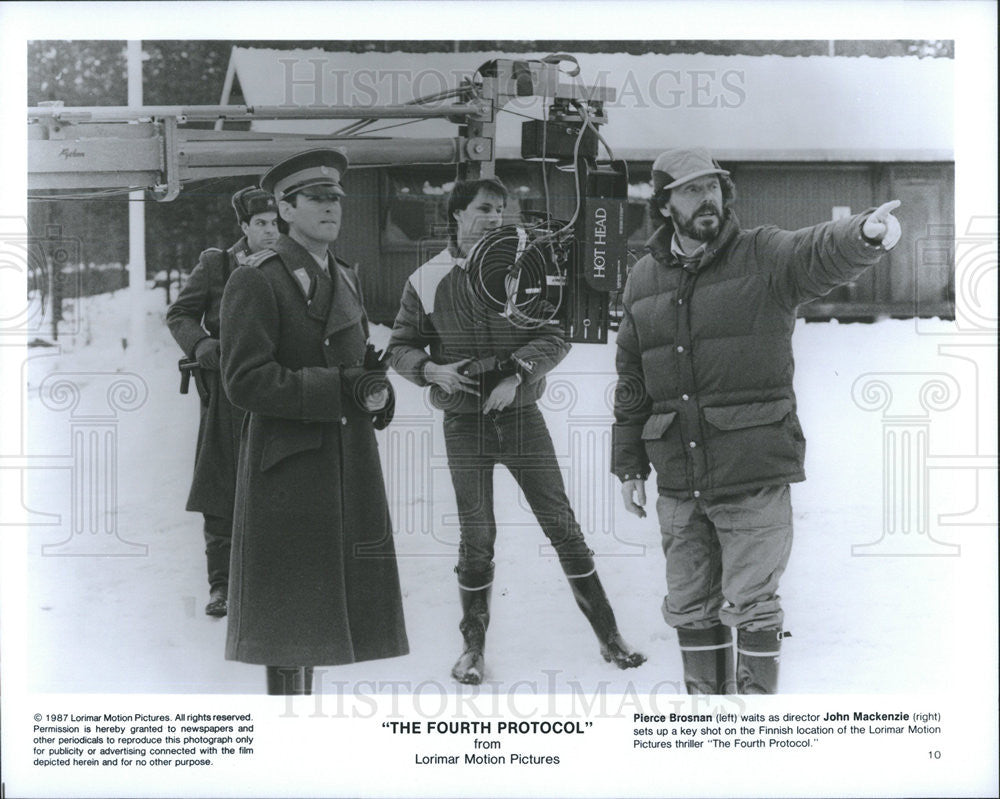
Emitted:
<point x="305" y="170"/>
<point x="679" y="165"/>
<point x="250" y="201"/>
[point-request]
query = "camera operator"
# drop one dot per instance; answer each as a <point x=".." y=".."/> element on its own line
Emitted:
<point x="487" y="375"/>
<point x="193" y="320"/>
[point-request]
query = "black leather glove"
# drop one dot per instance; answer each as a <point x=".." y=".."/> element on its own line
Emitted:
<point x="206" y="352"/>
<point x="369" y="378"/>
<point x="375" y="360"/>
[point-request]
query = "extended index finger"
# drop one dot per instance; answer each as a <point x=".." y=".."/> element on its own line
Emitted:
<point x="886" y="208"/>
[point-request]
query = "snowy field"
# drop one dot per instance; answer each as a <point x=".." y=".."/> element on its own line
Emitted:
<point x="116" y="605"/>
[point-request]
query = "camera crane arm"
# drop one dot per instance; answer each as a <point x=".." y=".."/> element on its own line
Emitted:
<point x="73" y="148"/>
<point x="108" y="149"/>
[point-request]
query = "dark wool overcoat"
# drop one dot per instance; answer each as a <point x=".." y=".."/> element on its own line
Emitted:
<point x="194" y="316"/>
<point x="313" y="578"/>
<point x="704" y="355"/>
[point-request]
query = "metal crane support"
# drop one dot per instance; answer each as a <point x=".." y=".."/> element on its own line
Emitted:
<point x="71" y="148"/>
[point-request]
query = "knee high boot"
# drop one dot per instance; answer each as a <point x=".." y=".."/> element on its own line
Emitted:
<point x="757" y="664"/>
<point x="289" y="680"/>
<point x="475" y="597"/>
<point x="591" y="599"/>
<point x="218" y="540"/>
<point x="708" y="660"/>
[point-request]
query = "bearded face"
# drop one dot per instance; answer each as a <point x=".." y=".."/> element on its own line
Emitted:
<point x="696" y="208"/>
<point x="703" y="225"/>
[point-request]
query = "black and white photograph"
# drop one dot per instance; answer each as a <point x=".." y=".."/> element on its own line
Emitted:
<point x="499" y="399"/>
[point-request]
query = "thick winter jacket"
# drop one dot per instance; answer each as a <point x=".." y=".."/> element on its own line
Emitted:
<point x="313" y="576"/>
<point x="438" y="310"/>
<point x="192" y="317"/>
<point x="704" y="355"/>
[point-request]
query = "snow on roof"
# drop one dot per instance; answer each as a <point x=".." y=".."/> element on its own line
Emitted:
<point x="754" y="108"/>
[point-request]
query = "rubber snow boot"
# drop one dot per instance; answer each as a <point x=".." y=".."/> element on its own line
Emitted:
<point x="289" y="680"/>
<point x="218" y="604"/>
<point x="708" y="660"/>
<point x="475" y="594"/>
<point x="218" y="545"/>
<point x="590" y="597"/>
<point x="757" y="663"/>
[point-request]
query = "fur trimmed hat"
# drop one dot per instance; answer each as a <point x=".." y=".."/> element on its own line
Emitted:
<point x="250" y="201"/>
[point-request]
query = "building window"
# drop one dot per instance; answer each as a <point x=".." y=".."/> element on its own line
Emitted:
<point x="415" y="203"/>
<point x="415" y="207"/>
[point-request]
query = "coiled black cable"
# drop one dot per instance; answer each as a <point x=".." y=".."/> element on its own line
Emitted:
<point x="520" y="272"/>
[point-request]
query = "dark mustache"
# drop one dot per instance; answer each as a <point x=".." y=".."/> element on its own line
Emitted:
<point x="708" y="206"/>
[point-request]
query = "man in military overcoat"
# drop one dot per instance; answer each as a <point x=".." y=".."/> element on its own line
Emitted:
<point x="313" y="571"/>
<point x="193" y="320"/>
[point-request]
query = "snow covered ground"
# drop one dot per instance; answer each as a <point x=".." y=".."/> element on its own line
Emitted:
<point x="116" y="605"/>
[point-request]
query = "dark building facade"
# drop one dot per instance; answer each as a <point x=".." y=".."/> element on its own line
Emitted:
<point x="395" y="219"/>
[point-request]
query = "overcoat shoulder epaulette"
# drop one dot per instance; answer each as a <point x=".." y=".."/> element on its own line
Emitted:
<point x="258" y="258"/>
<point x="210" y="255"/>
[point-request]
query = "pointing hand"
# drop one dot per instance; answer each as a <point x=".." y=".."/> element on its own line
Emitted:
<point x="882" y="226"/>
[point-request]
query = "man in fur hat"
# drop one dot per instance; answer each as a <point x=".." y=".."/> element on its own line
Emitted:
<point x="193" y="320"/>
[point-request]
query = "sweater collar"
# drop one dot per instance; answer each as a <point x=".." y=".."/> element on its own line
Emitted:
<point x="686" y="258"/>
<point x="457" y="258"/>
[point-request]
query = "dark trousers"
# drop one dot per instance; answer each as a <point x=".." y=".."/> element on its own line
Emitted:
<point x="518" y="439"/>
<point x="218" y="541"/>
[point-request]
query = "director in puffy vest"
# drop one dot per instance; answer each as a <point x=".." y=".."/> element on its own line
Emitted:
<point x="705" y="398"/>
